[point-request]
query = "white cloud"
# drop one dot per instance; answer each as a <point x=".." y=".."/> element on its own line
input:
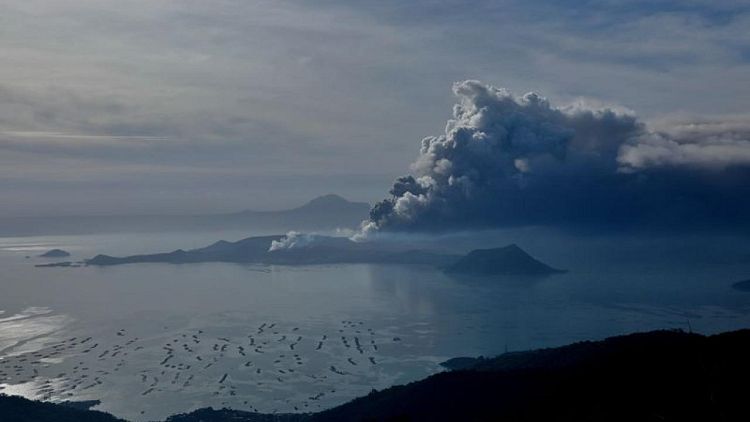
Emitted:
<point x="714" y="144"/>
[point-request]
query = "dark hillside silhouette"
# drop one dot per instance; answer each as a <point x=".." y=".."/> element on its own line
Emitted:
<point x="655" y="376"/>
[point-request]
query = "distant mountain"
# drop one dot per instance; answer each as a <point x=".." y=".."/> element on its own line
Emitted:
<point x="327" y="212"/>
<point x="324" y="212"/>
<point x="656" y="376"/>
<point x="509" y="260"/>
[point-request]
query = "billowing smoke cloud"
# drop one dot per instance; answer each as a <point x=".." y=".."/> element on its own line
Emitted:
<point x="508" y="160"/>
<point x="708" y="144"/>
<point x="292" y="240"/>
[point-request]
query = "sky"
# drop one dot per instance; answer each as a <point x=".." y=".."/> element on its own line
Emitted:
<point x="186" y="106"/>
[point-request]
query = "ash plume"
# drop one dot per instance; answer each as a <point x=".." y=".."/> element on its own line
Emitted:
<point x="517" y="160"/>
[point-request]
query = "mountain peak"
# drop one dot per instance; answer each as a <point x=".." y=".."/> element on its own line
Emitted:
<point x="330" y="198"/>
<point x="507" y="260"/>
<point x="55" y="253"/>
<point x="322" y="213"/>
<point x="333" y="203"/>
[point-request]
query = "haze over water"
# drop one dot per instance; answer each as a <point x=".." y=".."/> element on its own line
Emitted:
<point x="329" y="333"/>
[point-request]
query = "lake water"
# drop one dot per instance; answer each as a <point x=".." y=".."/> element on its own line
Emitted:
<point x="149" y="340"/>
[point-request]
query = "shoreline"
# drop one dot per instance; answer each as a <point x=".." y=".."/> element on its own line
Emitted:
<point x="676" y="367"/>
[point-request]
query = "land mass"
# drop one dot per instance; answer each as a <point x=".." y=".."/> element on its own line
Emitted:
<point x="317" y="250"/>
<point x="508" y="260"/>
<point x="655" y="376"/>
<point x="743" y="286"/>
<point x="326" y="212"/>
<point x="64" y="264"/>
<point x="55" y="253"/>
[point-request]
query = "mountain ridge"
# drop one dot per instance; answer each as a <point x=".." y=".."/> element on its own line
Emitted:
<point x="257" y="250"/>
<point x="326" y="212"/>
<point x="318" y="249"/>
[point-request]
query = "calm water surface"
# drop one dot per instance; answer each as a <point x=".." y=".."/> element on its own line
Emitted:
<point x="149" y="340"/>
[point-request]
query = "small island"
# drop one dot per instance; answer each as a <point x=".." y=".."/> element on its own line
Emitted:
<point x="64" y="264"/>
<point x="743" y="286"/>
<point x="508" y="260"/>
<point x="55" y="253"/>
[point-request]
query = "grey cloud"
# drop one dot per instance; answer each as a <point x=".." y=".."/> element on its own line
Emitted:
<point x="712" y="144"/>
<point x="506" y="160"/>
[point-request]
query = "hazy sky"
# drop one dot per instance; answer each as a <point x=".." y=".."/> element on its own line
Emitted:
<point x="193" y="106"/>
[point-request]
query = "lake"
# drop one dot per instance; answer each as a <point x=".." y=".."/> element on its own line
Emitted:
<point x="150" y="340"/>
